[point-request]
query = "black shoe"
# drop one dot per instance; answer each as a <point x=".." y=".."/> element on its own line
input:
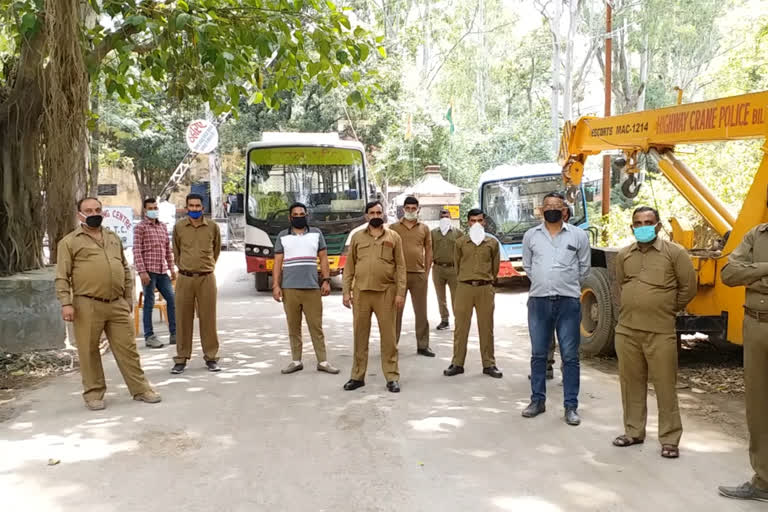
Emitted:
<point x="213" y="366"/>
<point x="453" y="370"/>
<point x="353" y="384"/>
<point x="492" y="371"/>
<point x="178" y="368"/>
<point x="572" y="417"/>
<point x="534" y="409"/>
<point x="393" y="386"/>
<point x="425" y="352"/>
<point x="442" y="325"/>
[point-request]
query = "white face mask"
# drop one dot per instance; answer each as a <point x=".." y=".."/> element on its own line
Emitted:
<point x="477" y="233"/>
<point x="445" y="225"/>
<point x="411" y="215"/>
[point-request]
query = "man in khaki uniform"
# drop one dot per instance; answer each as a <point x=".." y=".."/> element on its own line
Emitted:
<point x="443" y="271"/>
<point x="374" y="282"/>
<point x="196" y="248"/>
<point x="476" y="257"/>
<point x="297" y="250"/>
<point x="417" y="249"/>
<point x="95" y="288"/>
<point x="657" y="281"/>
<point x="748" y="266"/>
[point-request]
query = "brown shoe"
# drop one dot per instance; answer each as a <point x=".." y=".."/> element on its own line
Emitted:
<point x="327" y="368"/>
<point x="95" y="405"/>
<point x="149" y="397"/>
<point x="292" y="368"/>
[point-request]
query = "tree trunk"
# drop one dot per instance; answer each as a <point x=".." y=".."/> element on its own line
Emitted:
<point x="645" y="62"/>
<point x="144" y="188"/>
<point x="481" y="76"/>
<point x="21" y="204"/>
<point x="21" y="208"/>
<point x="95" y="146"/>
<point x="573" y="11"/>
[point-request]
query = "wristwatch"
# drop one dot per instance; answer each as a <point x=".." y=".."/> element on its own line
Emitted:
<point x="326" y="279"/>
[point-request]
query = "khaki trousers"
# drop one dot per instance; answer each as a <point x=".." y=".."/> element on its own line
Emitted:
<point x="310" y="302"/>
<point x="756" y="392"/>
<point x="418" y="286"/>
<point x="442" y="276"/>
<point x="200" y="290"/>
<point x="91" y="319"/>
<point x="481" y="299"/>
<point x="382" y="304"/>
<point x="642" y="354"/>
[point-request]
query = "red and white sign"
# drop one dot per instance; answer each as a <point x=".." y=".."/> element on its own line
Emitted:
<point x="202" y="136"/>
<point x="120" y="220"/>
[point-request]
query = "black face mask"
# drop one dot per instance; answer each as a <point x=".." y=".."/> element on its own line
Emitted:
<point x="299" y="222"/>
<point x="93" y="221"/>
<point x="553" y="216"/>
<point x="376" y="222"/>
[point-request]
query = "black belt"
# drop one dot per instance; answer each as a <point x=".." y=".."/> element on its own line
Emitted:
<point x="106" y="301"/>
<point x="760" y="316"/>
<point x="444" y="264"/>
<point x="193" y="274"/>
<point x="477" y="283"/>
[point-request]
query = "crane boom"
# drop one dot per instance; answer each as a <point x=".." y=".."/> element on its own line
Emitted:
<point x="735" y="117"/>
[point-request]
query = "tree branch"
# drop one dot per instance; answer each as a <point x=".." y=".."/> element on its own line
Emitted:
<point x="458" y="42"/>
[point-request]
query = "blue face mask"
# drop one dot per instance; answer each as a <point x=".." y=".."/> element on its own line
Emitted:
<point x="153" y="214"/>
<point x="645" y="234"/>
<point x="195" y="215"/>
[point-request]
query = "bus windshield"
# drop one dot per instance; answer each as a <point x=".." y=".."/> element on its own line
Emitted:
<point x="330" y="181"/>
<point x="513" y="206"/>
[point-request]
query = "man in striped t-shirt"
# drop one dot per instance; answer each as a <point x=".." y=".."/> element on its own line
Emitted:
<point x="296" y="285"/>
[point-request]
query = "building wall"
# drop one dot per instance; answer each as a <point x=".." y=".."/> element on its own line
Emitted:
<point x="127" y="191"/>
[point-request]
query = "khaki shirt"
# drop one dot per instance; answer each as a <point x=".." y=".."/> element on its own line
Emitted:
<point x="476" y="262"/>
<point x="85" y="266"/>
<point x="443" y="246"/>
<point x="375" y="263"/>
<point x="196" y="249"/>
<point x="748" y="266"/>
<point x="655" y="285"/>
<point x="416" y="241"/>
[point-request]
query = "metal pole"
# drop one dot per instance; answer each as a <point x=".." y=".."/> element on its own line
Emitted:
<point x="606" y="195"/>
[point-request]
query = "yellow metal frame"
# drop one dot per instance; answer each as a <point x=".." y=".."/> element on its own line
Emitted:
<point x="657" y="132"/>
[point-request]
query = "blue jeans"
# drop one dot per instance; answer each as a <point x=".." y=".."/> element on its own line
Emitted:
<point x="163" y="284"/>
<point x="545" y="316"/>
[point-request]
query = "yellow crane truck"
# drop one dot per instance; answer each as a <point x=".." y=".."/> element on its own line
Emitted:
<point x="717" y="309"/>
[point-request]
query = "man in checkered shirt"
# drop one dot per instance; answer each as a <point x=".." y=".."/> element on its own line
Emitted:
<point x="153" y="259"/>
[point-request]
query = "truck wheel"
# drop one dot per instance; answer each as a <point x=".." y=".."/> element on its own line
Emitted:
<point x="262" y="281"/>
<point x="597" y="325"/>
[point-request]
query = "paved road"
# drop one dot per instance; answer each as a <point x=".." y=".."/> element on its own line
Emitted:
<point x="251" y="439"/>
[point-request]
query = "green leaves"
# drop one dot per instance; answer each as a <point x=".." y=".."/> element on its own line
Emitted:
<point x="29" y="24"/>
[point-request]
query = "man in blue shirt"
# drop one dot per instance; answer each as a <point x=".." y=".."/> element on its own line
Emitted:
<point x="556" y="257"/>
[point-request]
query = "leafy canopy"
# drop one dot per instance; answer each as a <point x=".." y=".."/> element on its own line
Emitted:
<point x="217" y="50"/>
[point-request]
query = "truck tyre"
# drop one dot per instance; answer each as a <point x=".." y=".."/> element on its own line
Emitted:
<point x="262" y="281"/>
<point x="597" y="316"/>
